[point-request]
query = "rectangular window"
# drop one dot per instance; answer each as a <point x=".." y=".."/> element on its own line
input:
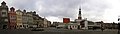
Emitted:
<point x="6" y="20"/>
<point x="4" y="14"/>
<point x="12" y="17"/>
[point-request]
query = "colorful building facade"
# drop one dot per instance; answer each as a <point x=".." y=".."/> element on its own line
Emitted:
<point x="25" y="19"/>
<point x="3" y="16"/>
<point x="19" y="19"/>
<point x="12" y="18"/>
<point x="29" y="19"/>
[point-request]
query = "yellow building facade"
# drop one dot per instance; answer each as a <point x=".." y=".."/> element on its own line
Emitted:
<point x="19" y="19"/>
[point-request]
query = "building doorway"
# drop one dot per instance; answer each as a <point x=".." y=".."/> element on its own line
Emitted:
<point x="78" y="26"/>
<point x="4" y="27"/>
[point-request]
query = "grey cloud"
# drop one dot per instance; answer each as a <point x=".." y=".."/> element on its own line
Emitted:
<point x="94" y="9"/>
<point x="59" y="8"/>
<point x="91" y="9"/>
<point x="24" y="4"/>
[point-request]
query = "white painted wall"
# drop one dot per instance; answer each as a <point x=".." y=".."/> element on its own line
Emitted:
<point x="86" y="24"/>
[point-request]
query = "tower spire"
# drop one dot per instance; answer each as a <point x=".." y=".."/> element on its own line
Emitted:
<point x="79" y="15"/>
<point x="79" y="11"/>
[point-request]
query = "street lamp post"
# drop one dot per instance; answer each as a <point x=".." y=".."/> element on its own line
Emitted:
<point x="118" y="25"/>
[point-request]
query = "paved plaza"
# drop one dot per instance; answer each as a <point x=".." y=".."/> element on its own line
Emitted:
<point x="58" y="31"/>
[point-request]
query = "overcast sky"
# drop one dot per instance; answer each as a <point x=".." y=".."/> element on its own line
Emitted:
<point x="56" y="10"/>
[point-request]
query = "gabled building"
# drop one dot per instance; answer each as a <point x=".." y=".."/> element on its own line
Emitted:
<point x="25" y="19"/>
<point x="3" y="16"/>
<point x="40" y="20"/>
<point x="19" y="19"/>
<point x="12" y="18"/>
<point x="35" y="19"/>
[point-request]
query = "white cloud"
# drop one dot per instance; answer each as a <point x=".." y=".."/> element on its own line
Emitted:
<point x="111" y="14"/>
<point x="105" y="10"/>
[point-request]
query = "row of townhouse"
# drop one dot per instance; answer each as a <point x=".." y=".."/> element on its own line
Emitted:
<point x="18" y="19"/>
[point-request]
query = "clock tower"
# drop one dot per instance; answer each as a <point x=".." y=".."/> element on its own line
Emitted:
<point x="79" y="15"/>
